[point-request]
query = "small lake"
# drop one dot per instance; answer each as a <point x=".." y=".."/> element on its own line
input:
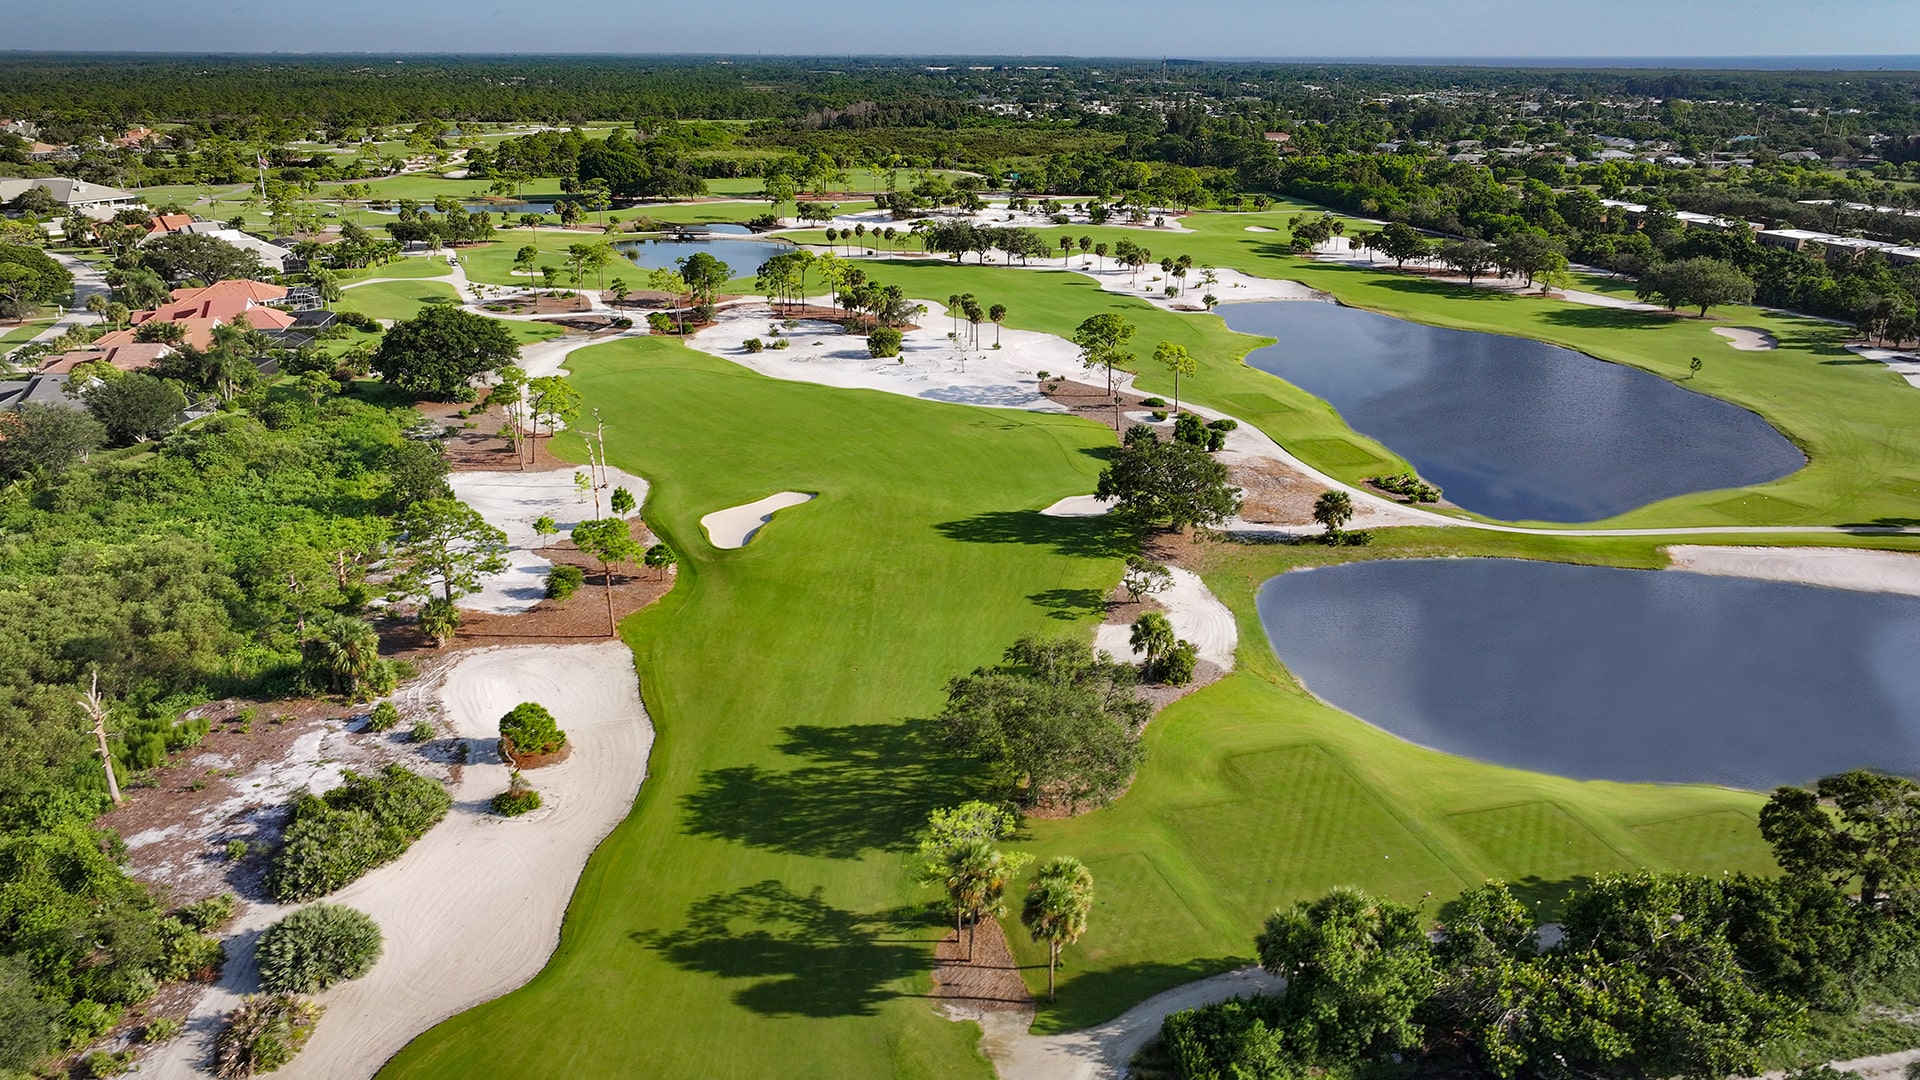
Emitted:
<point x="1603" y="674"/>
<point x="743" y="257"/>
<point x="1515" y="429"/>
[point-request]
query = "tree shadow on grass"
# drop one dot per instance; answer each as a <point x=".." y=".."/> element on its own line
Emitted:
<point x="1068" y="605"/>
<point x="856" y="788"/>
<point x="1582" y="317"/>
<point x="1453" y="290"/>
<point x="806" y="957"/>
<point x="1104" y="537"/>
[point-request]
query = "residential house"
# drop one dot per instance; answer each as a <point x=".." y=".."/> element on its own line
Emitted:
<point x="198" y="311"/>
<point x="97" y="201"/>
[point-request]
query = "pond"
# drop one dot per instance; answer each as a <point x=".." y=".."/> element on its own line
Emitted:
<point x="743" y="257"/>
<point x="1515" y="429"/>
<point x="1604" y="674"/>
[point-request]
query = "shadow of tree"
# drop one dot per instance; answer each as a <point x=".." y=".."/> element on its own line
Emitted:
<point x="1070" y="604"/>
<point x="1582" y="317"/>
<point x="1545" y="896"/>
<point x="1104" y="537"/>
<point x="1457" y="290"/>
<point x="807" y="957"/>
<point x="859" y="788"/>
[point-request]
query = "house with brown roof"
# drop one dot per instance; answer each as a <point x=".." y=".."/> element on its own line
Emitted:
<point x="197" y="311"/>
<point x="162" y="224"/>
<point x="131" y="356"/>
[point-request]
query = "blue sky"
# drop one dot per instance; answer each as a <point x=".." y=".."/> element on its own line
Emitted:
<point x="1265" y="28"/>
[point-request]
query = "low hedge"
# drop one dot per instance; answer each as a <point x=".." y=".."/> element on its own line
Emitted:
<point x="368" y="821"/>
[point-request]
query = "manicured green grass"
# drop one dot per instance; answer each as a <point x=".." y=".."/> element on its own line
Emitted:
<point x="395" y="299"/>
<point x="427" y="266"/>
<point x="752" y="917"/>
<point x="25" y="332"/>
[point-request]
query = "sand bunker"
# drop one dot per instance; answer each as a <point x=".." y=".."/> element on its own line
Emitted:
<point x="473" y="909"/>
<point x="512" y="502"/>
<point x="1259" y="228"/>
<point x="1904" y="364"/>
<point x="1747" y="339"/>
<point x="734" y="526"/>
<point x="1078" y="506"/>
<point x="1197" y="616"/>
<point x="930" y="365"/>
<point x="1855" y="569"/>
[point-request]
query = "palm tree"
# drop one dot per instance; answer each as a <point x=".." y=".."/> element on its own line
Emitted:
<point x="346" y="648"/>
<point x="998" y="313"/>
<point x="1058" y="901"/>
<point x="976" y="880"/>
<point x="953" y="312"/>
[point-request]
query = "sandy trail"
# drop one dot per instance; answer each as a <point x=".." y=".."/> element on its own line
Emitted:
<point x="1904" y="364"/>
<point x="930" y="366"/>
<point x="1747" y="338"/>
<point x="511" y="501"/>
<point x="1102" y="1052"/>
<point x="474" y="908"/>
<point x="1856" y="569"/>
<point x="734" y="526"/>
<point x="1197" y="616"/>
<point x="1078" y="506"/>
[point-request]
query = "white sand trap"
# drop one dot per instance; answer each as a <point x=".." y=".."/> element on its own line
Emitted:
<point x="1150" y="284"/>
<point x="734" y="526"/>
<point x="930" y="366"/>
<point x="1855" y="569"/>
<point x="1079" y="506"/>
<point x="1260" y="228"/>
<point x="511" y="502"/>
<point x="1197" y="616"/>
<point x="474" y="908"/>
<point x="1748" y="339"/>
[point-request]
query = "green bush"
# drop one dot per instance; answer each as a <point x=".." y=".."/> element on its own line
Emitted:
<point x="186" y="953"/>
<point x="237" y="850"/>
<point x="563" y="581"/>
<point x="315" y="947"/>
<point x="519" y="798"/>
<point x="107" y="1063"/>
<point x="1407" y="486"/>
<point x="530" y="729"/>
<point x="264" y="1033"/>
<point x="209" y="914"/>
<point x="384" y="718"/>
<point x="339" y="836"/>
<point x="439" y="619"/>
<point x="883" y="341"/>
<point x="659" y="556"/>
<point x="1240" y="1037"/>
<point x="1176" y="668"/>
<point x="421" y="731"/>
<point x="359" y="320"/>
<point x="753" y="344"/>
<point x="160" y="1029"/>
<point x="1151" y="403"/>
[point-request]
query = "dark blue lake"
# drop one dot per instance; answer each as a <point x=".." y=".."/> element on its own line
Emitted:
<point x="1604" y="674"/>
<point x="743" y="257"/>
<point x="1512" y="428"/>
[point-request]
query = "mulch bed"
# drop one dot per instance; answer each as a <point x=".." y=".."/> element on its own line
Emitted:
<point x="542" y="305"/>
<point x="1089" y="401"/>
<point x="989" y="982"/>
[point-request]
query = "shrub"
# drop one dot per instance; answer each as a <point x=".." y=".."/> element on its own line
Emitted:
<point x="753" y="344"/>
<point x="703" y="313"/>
<point x="237" y="850"/>
<point x="108" y="1063"/>
<point x="623" y="323"/>
<point x="421" y="731"/>
<point x="385" y="717"/>
<point x="1407" y="486"/>
<point x="1151" y="403"/>
<point x="211" y="913"/>
<point x="160" y="1029"/>
<point x="383" y="676"/>
<point x="359" y="320"/>
<point x="264" y="1033"/>
<point x="439" y="619"/>
<point x="661" y="323"/>
<point x="884" y="341"/>
<point x="1159" y="415"/>
<point x="783" y="343"/>
<point x="1225" y="423"/>
<point x="186" y="954"/>
<point x="519" y="798"/>
<point x="530" y="729"/>
<point x="315" y="947"/>
<point x="1189" y="428"/>
<point x="563" y="581"/>
<point x="660" y="556"/>
<point x="365" y="822"/>
<point x="1176" y="668"/>
<point x="89" y="1019"/>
